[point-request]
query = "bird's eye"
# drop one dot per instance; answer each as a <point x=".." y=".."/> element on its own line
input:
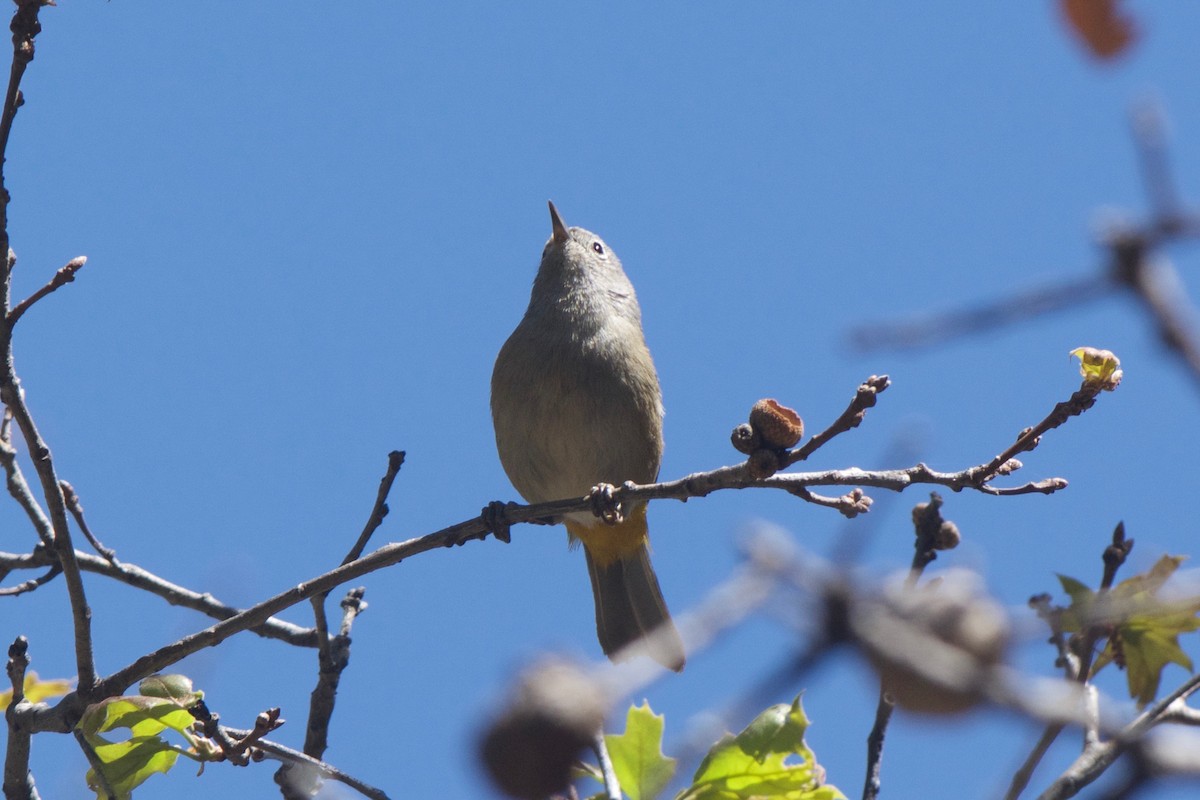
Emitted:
<point x="599" y="248"/>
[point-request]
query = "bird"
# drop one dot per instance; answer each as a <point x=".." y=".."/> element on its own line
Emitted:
<point x="576" y="403"/>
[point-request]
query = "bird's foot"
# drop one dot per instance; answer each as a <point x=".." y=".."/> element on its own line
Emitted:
<point x="495" y="517"/>
<point x="605" y="504"/>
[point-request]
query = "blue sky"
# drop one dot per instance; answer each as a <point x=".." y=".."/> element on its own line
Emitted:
<point x="310" y="229"/>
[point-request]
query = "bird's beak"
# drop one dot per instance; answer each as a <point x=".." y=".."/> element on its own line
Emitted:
<point x="560" y="229"/>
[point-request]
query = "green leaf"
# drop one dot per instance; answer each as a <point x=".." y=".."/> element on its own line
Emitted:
<point x="1142" y="629"/>
<point x="1148" y="642"/>
<point x="768" y="759"/>
<point x="1150" y="582"/>
<point x="1076" y="589"/>
<point x="126" y="764"/>
<point x="637" y="755"/>
<point x="144" y="716"/>
<point x="1099" y="367"/>
<point x="1081" y="603"/>
<point x="129" y="763"/>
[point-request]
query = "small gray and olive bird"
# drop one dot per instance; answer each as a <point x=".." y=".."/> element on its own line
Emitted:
<point x="576" y="403"/>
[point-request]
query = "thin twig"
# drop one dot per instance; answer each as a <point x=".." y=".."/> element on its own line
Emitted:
<point x="927" y="522"/>
<point x="864" y="398"/>
<point x="612" y="786"/>
<point x="25" y="26"/>
<point x="696" y="485"/>
<point x="15" y="667"/>
<point x="1070" y="664"/>
<point x="1149" y="137"/>
<point x="875" y="739"/>
<point x="1153" y="715"/>
<point x="65" y="275"/>
<point x="327" y="771"/>
<point x="138" y="578"/>
<point x="1134" y="263"/>
<point x="1076" y="662"/>
<point x="380" y="509"/>
<point x="1021" y="777"/>
<point x="1091" y="715"/>
<point x="849" y="505"/>
<point x="923" y="330"/>
<point x="10" y="395"/>
<point x="18" y="780"/>
<point x="237" y="750"/>
<point x="334" y="659"/>
<point x="20" y="491"/>
<point x="333" y="652"/>
<point x="1113" y="557"/>
<point x="1181" y="713"/>
<point x="321" y="626"/>
<point x="1158" y="286"/>
<point x="378" y="512"/>
<point x="96" y="764"/>
<point x="1079" y="402"/>
<point x="33" y="583"/>
<point x="478" y="528"/>
<point x="71" y="497"/>
<point x="1097" y="755"/>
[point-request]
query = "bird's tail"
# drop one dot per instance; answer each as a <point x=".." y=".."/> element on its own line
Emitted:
<point x="631" y="615"/>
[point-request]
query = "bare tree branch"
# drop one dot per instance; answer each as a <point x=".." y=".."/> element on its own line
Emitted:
<point x="11" y="396"/>
<point x="96" y="764"/>
<point x="19" y="488"/>
<point x="138" y="578"/>
<point x="1134" y="263"/>
<point x="612" y="786"/>
<point x="333" y="652"/>
<point x="242" y="747"/>
<point x="25" y="26"/>
<point x="696" y="485"/>
<point x="380" y="510"/>
<point x="18" y="780"/>
<point x="65" y="275"/>
<point x="924" y="330"/>
<point x="1149" y="137"/>
<point x="33" y="583"/>
<point x="929" y="527"/>
<point x="1076" y="662"/>
<point x="327" y="771"/>
<point x="1021" y="778"/>
<point x="332" y="662"/>
<point x="875" y="739"/>
<point x="71" y="498"/>
<point x="864" y="398"/>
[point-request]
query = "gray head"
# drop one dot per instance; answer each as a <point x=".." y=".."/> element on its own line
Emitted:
<point x="579" y="268"/>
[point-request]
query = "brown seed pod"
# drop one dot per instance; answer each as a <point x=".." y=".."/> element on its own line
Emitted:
<point x="745" y="439"/>
<point x="934" y="645"/>
<point x="530" y="748"/>
<point x="779" y="426"/>
<point x="947" y="536"/>
<point x="764" y="463"/>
